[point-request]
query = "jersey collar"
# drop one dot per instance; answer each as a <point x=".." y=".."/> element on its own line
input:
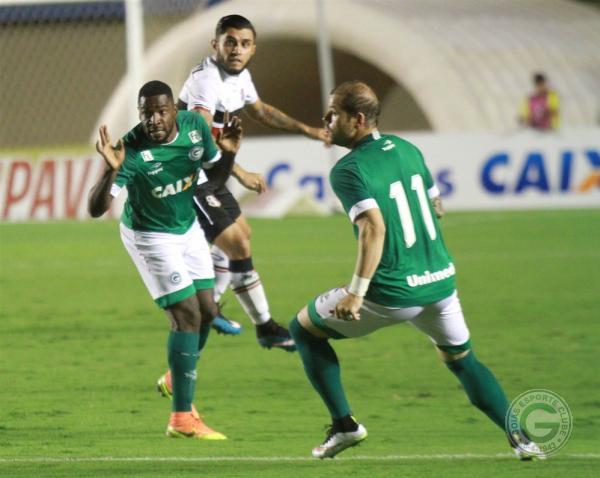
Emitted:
<point x="373" y="136"/>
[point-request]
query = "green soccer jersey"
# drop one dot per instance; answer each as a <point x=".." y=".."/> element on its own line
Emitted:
<point x="387" y="172"/>
<point x="161" y="177"/>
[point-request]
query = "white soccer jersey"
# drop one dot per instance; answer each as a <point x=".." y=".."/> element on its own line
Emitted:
<point x="211" y="88"/>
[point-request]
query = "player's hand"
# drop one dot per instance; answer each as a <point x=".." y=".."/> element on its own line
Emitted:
<point x="113" y="155"/>
<point x="253" y="181"/>
<point x="348" y="308"/>
<point x="320" y="134"/>
<point x="230" y="138"/>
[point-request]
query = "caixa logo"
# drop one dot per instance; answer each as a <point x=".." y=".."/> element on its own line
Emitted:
<point x="568" y="171"/>
<point x="317" y="181"/>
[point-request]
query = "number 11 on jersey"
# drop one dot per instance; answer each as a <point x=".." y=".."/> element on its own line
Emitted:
<point x="398" y="193"/>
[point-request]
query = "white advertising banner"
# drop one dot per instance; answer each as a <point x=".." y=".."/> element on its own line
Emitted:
<point x="522" y="170"/>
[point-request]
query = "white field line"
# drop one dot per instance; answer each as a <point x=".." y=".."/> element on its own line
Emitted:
<point x="168" y="459"/>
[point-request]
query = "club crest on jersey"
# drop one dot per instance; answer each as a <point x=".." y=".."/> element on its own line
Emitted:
<point x="195" y="153"/>
<point x="194" y="136"/>
<point x="147" y="155"/>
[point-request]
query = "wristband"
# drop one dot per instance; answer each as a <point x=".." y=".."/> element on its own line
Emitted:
<point x="359" y="286"/>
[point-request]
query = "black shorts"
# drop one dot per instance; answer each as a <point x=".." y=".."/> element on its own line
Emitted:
<point x="216" y="211"/>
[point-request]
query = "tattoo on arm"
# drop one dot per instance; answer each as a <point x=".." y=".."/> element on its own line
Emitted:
<point x="271" y="116"/>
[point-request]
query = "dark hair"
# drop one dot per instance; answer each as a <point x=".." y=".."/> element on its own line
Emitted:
<point x="539" y="78"/>
<point x="233" y="21"/>
<point x="358" y="97"/>
<point x="155" y="88"/>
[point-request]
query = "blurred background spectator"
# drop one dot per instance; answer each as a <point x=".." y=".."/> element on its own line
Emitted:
<point x="541" y="109"/>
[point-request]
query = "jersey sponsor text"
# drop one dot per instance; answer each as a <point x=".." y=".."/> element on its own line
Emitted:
<point x="415" y="280"/>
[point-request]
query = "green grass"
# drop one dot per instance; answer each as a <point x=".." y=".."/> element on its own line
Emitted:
<point x="82" y="344"/>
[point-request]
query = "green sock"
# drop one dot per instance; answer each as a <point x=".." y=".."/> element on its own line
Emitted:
<point x="204" y="331"/>
<point x="481" y="386"/>
<point x="183" y="355"/>
<point x="322" y="368"/>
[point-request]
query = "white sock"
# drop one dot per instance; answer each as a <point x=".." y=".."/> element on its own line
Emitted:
<point x="222" y="274"/>
<point x="249" y="291"/>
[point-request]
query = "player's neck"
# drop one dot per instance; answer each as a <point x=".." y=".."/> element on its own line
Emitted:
<point x="360" y="135"/>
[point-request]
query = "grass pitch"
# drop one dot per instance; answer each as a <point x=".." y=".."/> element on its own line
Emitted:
<point x="82" y="344"/>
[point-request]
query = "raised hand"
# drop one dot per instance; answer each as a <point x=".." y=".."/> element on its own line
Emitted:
<point x="230" y="138"/>
<point x="113" y="155"/>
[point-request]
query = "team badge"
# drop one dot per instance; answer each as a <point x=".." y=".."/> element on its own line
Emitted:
<point x="195" y="153"/>
<point x="147" y="155"/>
<point x="213" y="201"/>
<point x="175" y="278"/>
<point x="194" y="136"/>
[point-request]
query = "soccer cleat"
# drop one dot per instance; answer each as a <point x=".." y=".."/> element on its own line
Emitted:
<point x="271" y="334"/>
<point x="226" y="326"/>
<point x="186" y="425"/>
<point x="165" y="388"/>
<point x="337" y="441"/>
<point x="524" y="448"/>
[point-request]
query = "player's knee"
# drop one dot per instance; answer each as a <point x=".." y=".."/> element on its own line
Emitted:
<point x="451" y="355"/>
<point x="303" y="325"/>
<point x="234" y="242"/>
<point x="185" y="316"/>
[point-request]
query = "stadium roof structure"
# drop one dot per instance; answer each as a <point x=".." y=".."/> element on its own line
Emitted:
<point x="467" y="64"/>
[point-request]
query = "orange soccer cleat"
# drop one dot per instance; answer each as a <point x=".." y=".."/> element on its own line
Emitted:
<point x="186" y="425"/>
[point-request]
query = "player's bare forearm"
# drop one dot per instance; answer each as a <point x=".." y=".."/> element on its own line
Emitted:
<point x="99" y="198"/>
<point x="371" y="237"/>
<point x="253" y="181"/>
<point x="276" y="119"/>
<point x="438" y="208"/>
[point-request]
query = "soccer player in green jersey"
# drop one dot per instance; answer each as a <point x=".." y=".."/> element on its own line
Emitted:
<point x="403" y="270"/>
<point x="158" y="162"/>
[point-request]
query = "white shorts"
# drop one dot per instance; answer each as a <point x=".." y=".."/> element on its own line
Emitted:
<point x="172" y="266"/>
<point x="442" y="321"/>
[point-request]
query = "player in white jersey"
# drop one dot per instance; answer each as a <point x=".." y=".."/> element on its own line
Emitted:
<point x="219" y="85"/>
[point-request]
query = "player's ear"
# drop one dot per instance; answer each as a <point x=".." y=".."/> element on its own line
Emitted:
<point x="214" y="42"/>
<point x="361" y="120"/>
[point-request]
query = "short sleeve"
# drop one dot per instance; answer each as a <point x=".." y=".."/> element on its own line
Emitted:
<point x="200" y="92"/>
<point x="349" y="187"/>
<point x="250" y="93"/>
<point x="432" y="189"/>
<point x="126" y="172"/>
<point x="211" y="152"/>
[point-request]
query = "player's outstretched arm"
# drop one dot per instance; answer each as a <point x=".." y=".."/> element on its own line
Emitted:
<point x="99" y="199"/>
<point x="277" y="119"/>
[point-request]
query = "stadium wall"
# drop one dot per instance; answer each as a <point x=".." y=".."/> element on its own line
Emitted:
<point x="474" y="171"/>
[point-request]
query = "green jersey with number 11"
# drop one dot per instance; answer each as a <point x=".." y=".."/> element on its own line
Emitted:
<point x="389" y="173"/>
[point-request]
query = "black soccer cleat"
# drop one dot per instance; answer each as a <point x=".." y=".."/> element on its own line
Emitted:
<point x="272" y="335"/>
